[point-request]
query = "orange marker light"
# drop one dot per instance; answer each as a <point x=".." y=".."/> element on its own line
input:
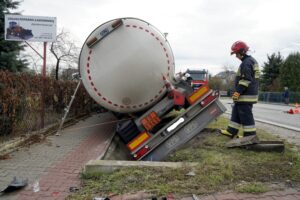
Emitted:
<point x="198" y="94"/>
<point x="136" y="142"/>
<point x="150" y="121"/>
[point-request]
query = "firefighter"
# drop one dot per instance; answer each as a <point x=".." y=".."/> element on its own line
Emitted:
<point x="245" y="93"/>
<point x="188" y="78"/>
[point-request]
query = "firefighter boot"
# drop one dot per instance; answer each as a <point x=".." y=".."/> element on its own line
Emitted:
<point x="226" y="133"/>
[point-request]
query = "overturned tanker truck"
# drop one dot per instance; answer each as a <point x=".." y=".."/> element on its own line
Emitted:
<point x="127" y="66"/>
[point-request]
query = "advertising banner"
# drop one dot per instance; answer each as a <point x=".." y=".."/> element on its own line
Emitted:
<point x="30" y="28"/>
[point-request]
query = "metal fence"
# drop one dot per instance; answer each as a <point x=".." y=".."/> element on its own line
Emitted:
<point x="272" y="97"/>
<point x="20" y="103"/>
<point x="277" y="97"/>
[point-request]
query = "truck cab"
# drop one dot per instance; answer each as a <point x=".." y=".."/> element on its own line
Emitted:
<point x="198" y="78"/>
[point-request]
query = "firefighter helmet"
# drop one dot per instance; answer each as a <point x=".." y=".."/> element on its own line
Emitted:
<point x="239" y="47"/>
<point x="187" y="75"/>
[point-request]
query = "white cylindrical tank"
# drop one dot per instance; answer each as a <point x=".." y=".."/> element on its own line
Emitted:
<point x="122" y="64"/>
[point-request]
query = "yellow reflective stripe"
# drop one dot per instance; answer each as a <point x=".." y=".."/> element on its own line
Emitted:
<point x="244" y="83"/>
<point x="234" y="125"/>
<point x="255" y="66"/>
<point x="249" y="129"/>
<point x="248" y="98"/>
<point x="231" y="126"/>
<point x="251" y="126"/>
<point x="238" y="73"/>
<point x="256" y="71"/>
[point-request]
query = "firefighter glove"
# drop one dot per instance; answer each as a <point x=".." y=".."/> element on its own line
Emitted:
<point x="235" y="96"/>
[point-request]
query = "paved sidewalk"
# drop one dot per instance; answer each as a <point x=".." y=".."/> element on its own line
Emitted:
<point x="56" y="163"/>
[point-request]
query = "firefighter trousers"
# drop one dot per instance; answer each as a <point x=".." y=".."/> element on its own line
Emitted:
<point x="242" y="116"/>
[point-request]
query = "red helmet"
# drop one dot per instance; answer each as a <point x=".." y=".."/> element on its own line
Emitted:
<point x="239" y="47"/>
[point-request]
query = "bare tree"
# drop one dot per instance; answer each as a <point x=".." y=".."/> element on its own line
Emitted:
<point x="228" y="76"/>
<point x="64" y="49"/>
<point x="67" y="73"/>
<point x="229" y="68"/>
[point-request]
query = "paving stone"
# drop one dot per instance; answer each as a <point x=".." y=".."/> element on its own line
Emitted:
<point x="57" y="166"/>
<point x="228" y="196"/>
<point x="288" y="191"/>
<point x="245" y="196"/>
<point x="271" y="193"/>
<point x="286" y="197"/>
<point x="265" y="198"/>
<point x="187" y="198"/>
<point x="136" y="196"/>
<point x="209" y="197"/>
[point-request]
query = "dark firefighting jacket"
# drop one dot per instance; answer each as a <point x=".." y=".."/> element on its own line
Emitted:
<point x="247" y="80"/>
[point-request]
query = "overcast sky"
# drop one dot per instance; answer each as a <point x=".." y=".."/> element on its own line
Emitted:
<point x="201" y="32"/>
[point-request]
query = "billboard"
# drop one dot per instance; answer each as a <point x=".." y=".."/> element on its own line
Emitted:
<point x="30" y="28"/>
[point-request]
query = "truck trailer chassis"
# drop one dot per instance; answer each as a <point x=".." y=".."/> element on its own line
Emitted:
<point x="150" y="144"/>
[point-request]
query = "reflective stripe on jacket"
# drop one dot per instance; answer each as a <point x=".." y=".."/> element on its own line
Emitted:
<point x="247" y="80"/>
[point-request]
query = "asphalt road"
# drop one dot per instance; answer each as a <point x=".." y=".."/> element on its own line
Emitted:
<point x="274" y="114"/>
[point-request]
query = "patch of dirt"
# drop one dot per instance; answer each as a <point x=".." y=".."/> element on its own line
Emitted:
<point x="36" y="138"/>
<point x="5" y="157"/>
